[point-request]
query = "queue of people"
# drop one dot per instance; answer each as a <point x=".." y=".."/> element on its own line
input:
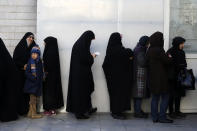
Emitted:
<point x="147" y="71"/>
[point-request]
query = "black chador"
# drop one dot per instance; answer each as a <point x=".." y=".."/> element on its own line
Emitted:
<point x="117" y="68"/>
<point x="21" y="57"/>
<point x="52" y="90"/>
<point x="81" y="84"/>
<point x="8" y="86"/>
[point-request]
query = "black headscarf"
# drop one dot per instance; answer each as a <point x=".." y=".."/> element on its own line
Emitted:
<point x="85" y="39"/>
<point x="178" y="54"/>
<point x="23" y="40"/>
<point x="177" y="41"/>
<point x="51" y="53"/>
<point x="156" y="40"/>
<point x="142" y="44"/>
<point x="51" y="45"/>
<point x="8" y="85"/>
<point x="22" y="51"/>
<point x="114" y="46"/>
<point x="114" y="41"/>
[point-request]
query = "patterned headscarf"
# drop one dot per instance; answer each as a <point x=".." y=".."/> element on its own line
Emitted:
<point x="33" y="62"/>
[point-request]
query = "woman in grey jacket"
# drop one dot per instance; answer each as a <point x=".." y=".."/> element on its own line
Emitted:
<point x="139" y="89"/>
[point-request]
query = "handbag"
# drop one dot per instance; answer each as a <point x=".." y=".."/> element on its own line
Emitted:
<point x="186" y="79"/>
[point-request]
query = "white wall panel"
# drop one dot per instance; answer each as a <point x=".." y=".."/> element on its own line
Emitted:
<point x="68" y="19"/>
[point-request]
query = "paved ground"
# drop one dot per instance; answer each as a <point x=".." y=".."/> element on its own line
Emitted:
<point x="99" y="122"/>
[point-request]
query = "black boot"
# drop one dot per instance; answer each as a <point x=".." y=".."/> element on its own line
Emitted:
<point x="141" y="115"/>
<point x="180" y="114"/>
<point x="155" y="121"/>
<point x="119" y="116"/>
<point x="166" y="121"/>
<point x="82" y="116"/>
<point x="172" y="115"/>
<point x="92" y="110"/>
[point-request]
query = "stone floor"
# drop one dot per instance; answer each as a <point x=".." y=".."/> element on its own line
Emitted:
<point x="98" y="122"/>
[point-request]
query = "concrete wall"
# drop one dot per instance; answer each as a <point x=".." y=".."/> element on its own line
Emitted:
<point x="183" y="22"/>
<point x="16" y="18"/>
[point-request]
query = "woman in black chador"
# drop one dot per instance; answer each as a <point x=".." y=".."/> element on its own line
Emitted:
<point x="21" y="57"/>
<point x="179" y="64"/>
<point x="52" y="90"/>
<point x="81" y="84"/>
<point x="8" y="86"/>
<point x="117" y="67"/>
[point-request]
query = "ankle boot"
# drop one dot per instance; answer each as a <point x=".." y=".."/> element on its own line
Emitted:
<point x="34" y="114"/>
<point x="30" y="111"/>
<point x="30" y="106"/>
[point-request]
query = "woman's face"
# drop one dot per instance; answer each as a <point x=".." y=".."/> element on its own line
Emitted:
<point x="30" y="39"/>
<point x="181" y="46"/>
<point x="148" y="45"/>
<point x="34" y="56"/>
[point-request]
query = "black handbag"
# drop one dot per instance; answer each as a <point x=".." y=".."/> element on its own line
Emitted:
<point x="186" y="79"/>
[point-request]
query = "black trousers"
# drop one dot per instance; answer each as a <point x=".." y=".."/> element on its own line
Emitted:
<point x="174" y="104"/>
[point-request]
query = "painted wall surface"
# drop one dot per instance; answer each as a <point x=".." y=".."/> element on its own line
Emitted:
<point x="68" y="19"/>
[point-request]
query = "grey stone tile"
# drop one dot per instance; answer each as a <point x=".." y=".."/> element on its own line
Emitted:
<point x="86" y="128"/>
<point x="111" y="128"/>
<point x="137" y="129"/>
<point x="19" y="125"/>
<point x="62" y="128"/>
<point x="98" y="122"/>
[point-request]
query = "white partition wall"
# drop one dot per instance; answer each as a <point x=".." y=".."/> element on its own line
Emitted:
<point x="68" y="19"/>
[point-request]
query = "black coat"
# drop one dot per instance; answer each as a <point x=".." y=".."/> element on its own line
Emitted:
<point x="8" y="86"/>
<point x="81" y="83"/>
<point x="21" y="56"/>
<point x="117" y="68"/>
<point x="52" y="90"/>
<point x="33" y="85"/>
<point x="179" y="64"/>
<point x="158" y="62"/>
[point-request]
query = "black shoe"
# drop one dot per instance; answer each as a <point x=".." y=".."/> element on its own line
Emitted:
<point x="82" y="116"/>
<point x="92" y="110"/>
<point x="155" y="121"/>
<point x="180" y="114"/>
<point x="119" y="116"/>
<point x="166" y="121"/>
<point x="141" y="115"/>
<point x="172" y="116"/>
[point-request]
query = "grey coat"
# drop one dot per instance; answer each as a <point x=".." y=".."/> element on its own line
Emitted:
<point x="139" y="89"/>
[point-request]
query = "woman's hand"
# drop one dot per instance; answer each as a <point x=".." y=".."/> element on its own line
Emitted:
<point x="94" y="55"/>
<point x="25" y="66"/>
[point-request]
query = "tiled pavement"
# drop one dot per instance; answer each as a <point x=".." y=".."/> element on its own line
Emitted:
<point x="98" y="122"/>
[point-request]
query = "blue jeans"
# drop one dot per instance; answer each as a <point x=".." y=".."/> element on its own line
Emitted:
<point x="137" y="105"/>
<point x="163" y="106"/>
